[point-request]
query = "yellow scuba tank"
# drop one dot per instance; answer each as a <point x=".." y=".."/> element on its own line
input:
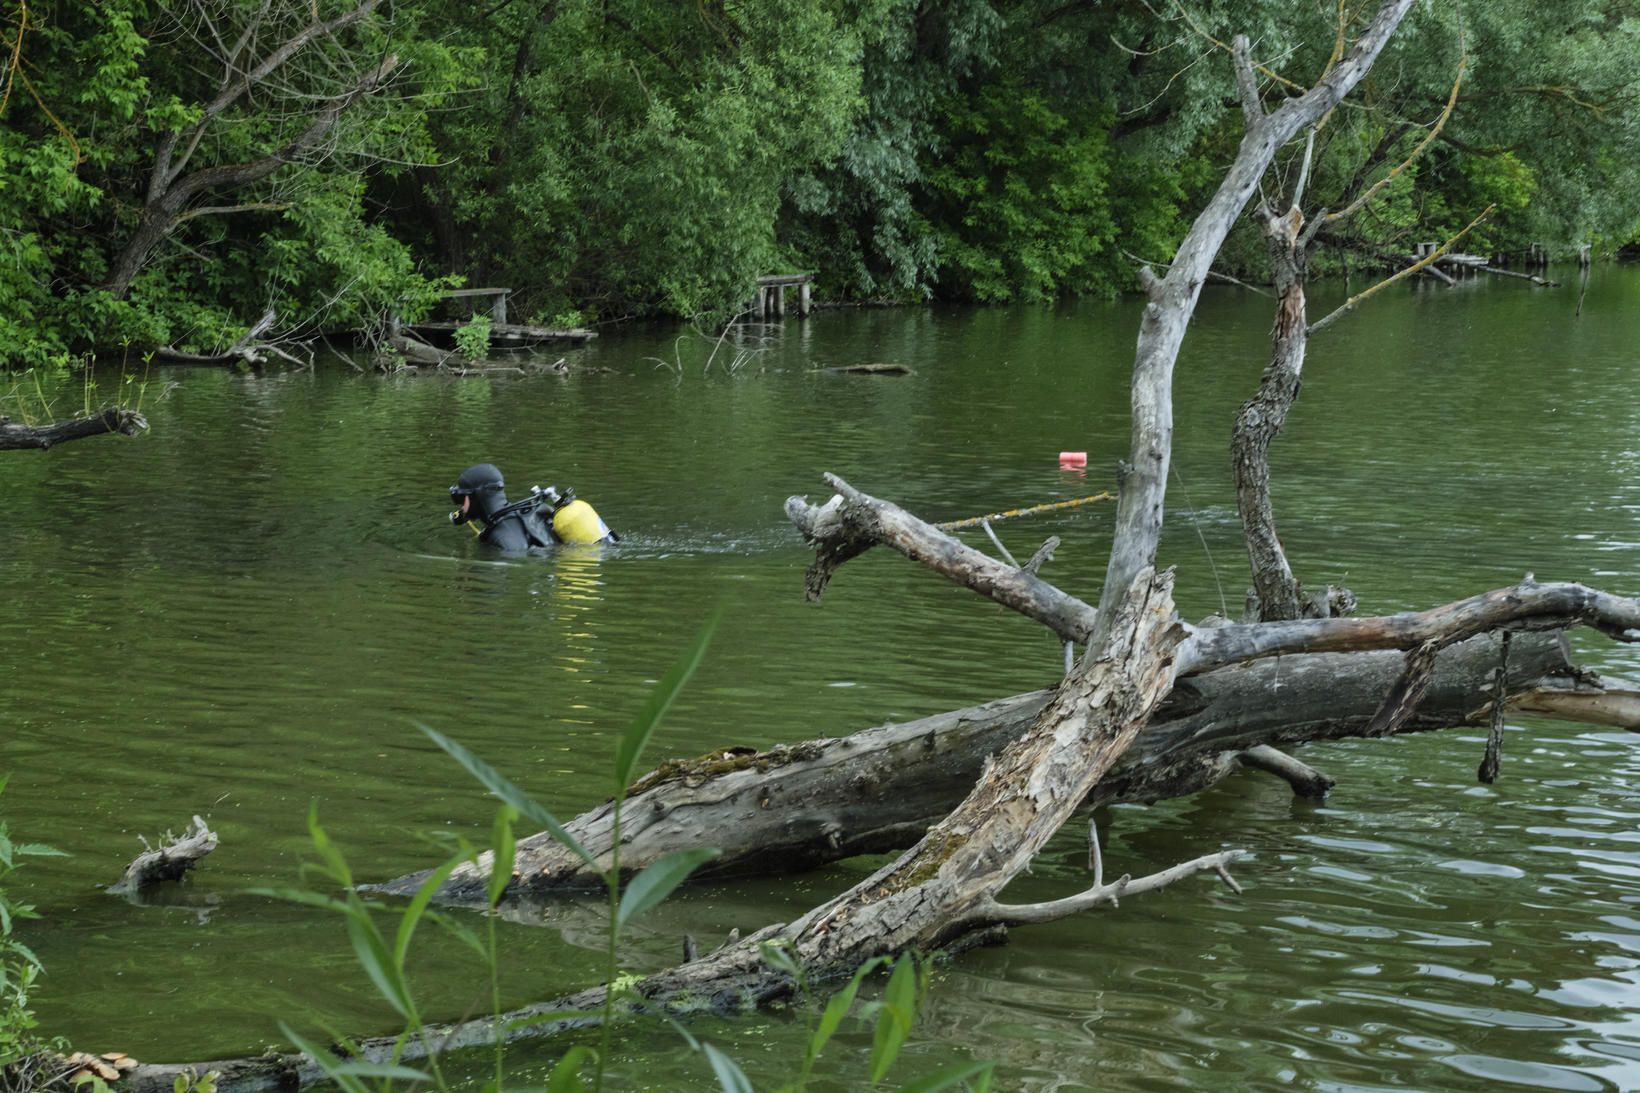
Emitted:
<point x="577" y="522"/>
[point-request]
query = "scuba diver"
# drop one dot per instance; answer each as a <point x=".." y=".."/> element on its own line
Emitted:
<point x="542" y="520"/>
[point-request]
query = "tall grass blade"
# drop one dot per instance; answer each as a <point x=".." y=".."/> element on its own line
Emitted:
<point x="566" y="1076"/>
<point x="371" y="949"/>
<point x="899" y="1009"/>
<point x="503" y="848"/>
<point x="731" y="1079"/>
<point x="660" y="700"/>
<point x="831" y="1019"/>
<point x="335" y="866"/>
<point x="498" y="785"/>
<point x="326" y="1061"/>
<point x="417" y="907"/>
<point x="658" y="880"/>
<point x="952" y="1077"/>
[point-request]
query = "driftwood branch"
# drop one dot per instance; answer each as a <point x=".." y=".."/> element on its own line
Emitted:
<point x="1526" y="606"/>
<point x="851" y="522"/>
<point x="1105" y="895"/>
<point x="14" y="436"/>
<point x="1305" y="779"/>
<point x="1488" y="771"/>
<point x="168" y="862"/>
<point x="246" y="350"/>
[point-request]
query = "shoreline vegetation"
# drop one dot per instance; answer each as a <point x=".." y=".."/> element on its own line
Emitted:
<point x="194" y="180"/>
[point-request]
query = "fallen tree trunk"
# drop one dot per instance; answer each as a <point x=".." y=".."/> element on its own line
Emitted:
<point x="112" y="420"/>
<point x="801" y="806"/>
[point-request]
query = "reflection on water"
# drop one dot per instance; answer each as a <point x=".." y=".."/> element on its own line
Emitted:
<point x="247" y="610"/>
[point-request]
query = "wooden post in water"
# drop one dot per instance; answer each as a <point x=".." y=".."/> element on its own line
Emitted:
<point x="803" y="300"/>
<point x="1584" y="256"/>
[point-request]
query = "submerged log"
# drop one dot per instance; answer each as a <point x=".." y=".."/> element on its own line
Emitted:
<point x="800" y="806"/>
<point x="112" y="420"/>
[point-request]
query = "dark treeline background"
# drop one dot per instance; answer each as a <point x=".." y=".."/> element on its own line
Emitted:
<point x="170" y="169"/>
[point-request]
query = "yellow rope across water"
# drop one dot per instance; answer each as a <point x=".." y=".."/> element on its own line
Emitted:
<point x="976" y="521"/>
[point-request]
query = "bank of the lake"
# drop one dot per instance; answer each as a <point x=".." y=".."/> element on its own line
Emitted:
<point x="244" y="611"/>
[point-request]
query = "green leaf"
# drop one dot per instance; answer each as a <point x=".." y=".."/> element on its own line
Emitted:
<point x="460" y="932"/>
<point x="417" y="907"/>
<point x="377" y="962"/>
<point x="566" y="1076"/>
<point x="658" y="880"/>
<point x="731" y="1079"/>
<point x="777" y="956"/>
<point x="335" y="866"/>
<point x="831" y="1019"/>
<point x="326" y="1061"/>
<point x="637" y="734"/>
<point x="951" y="1077"/>
<point x="39" y="850"/>
<point x="304" y="896"/>
<point x="504" y="846"/>
<point x="899" y="1009"/>
<point x="363" y="1068"/>
<point x="493" y="781"/>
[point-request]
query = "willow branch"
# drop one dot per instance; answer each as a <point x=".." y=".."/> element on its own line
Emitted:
<point x="1429" y="138"/>
<point x="1423" y="263"/>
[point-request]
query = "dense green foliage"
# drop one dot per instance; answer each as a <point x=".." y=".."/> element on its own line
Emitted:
<point x="168" y="173"/>
<point x="19" y="967"/>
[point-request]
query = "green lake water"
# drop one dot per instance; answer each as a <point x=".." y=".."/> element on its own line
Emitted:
<point x="247" y="609"/>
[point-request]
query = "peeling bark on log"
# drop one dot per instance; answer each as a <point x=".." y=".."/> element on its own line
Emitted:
<point x="14" y="436"/>
<point x="1279" y="595"/>
<point x="801" y="806"/>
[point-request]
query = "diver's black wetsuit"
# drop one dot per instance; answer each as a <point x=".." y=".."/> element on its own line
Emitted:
<point x="514" y="532"/>
<point x="517" y="532"/>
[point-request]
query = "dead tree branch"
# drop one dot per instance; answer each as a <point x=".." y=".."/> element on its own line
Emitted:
<point x="1427" y="261"/>
<point x="852" y="521"/>
<point x="1526" y="606"/>
<point x="168" y="862"/>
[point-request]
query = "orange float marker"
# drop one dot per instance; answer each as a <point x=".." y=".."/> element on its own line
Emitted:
<point x="1073" y="459"/>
